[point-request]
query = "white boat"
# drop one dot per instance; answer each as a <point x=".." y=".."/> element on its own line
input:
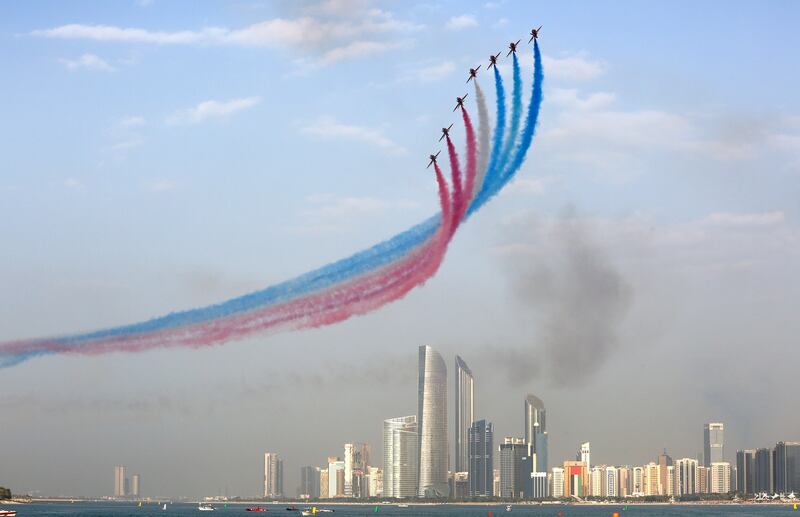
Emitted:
<point x="508" y="507"/>
<point x="8" y="513"/>
<point x="205" y="507"/>
<point x="164" y="507"/>
<point x="402" y="505"/>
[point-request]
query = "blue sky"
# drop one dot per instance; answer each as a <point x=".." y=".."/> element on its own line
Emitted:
<point x="161" y="155"/>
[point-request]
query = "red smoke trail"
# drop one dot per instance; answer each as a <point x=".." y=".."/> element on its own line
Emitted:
<point x="458" y="194"/>
<point x="330" y="306"/>
<point x="472" y="159"/>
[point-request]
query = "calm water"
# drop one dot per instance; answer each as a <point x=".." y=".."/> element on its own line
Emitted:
<point x="123" y="509"/>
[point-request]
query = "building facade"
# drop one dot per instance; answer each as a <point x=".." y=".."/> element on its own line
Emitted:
<point x="432" y="425"/>
<point x="764" y="471"/>
<point x="721" y="478"/>
<point x="481" y="459"/>
<point x="512" y="480"/>
<point x="135" y="486"/>
<point x="576" y="479"/>
<point x="119" y="481"/>
<point x="713" y="443"/>
<point x="464" y="413"/>
<point x="309" y="482"/>
<point x="400" y="456"/>
<point x="685" y="477"/>
<point x="536" y="432"/>
<point x="273" y="475"/>
<point x="746" y="471"/>
<point x="557" y="482"/>
<point x="787" y="467"/>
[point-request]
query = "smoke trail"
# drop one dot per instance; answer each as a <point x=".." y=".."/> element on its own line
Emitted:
<point x="455" y="172"/>
<point x="531" y="120"/>
<point x="471" y="164"/>
<point x="495" y="182"/>
<point x="498" y="141"/>
<point x="359" y="283"/>
<point x="483" y="139"/>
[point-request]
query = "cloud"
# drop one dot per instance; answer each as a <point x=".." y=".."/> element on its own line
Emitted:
<point x="72" y="183"/>
<point x="127" y="145"/>
<point x="212" y="109"/>
<point x="329" y="129"/>
<point x="570" y="99"/>
<point x="536" y="186"/>
<point x="134" y="121"/>
<point x="332" y="30"/>
<point x="426" y="73"/>
<point x="572" y="68"/>
<point x="464" y="21"/>
<point x="746" y="219"/>
<point x="162" y="185"/>
<point x="331" y="214"/>
<point x="88" y="62"/>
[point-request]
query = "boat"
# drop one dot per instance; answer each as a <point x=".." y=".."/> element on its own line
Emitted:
<point x="256" y="509"/>
<point x="402" y="505"/>
<point x="292" y="509"/>
<point x="8" y="513"/>
<point x="205" y="507"/>
<point x="508" y="508"/>
<point x="164" y="507"/>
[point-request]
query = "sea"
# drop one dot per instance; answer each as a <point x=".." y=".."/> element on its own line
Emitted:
<point x="101" y="509"/>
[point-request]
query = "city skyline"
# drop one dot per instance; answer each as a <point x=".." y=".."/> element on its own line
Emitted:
<point x="160" y="156"/>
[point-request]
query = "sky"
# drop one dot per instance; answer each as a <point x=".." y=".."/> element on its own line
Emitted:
<point x="640" y="274"/>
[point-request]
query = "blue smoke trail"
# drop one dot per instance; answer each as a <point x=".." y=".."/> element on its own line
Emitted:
<point x="531" y="120"/>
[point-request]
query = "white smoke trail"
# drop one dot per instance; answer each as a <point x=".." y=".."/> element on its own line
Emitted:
<point x="483" y="139"/>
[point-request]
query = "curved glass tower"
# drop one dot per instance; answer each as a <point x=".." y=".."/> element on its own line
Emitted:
<point x="432" y="424"/>
<point x="536" y="431"/>
<point x="400" y="456"/>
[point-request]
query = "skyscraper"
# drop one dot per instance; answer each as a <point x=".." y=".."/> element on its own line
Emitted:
<point x="119" y="481"/>
<point x="557" y="490"/>
<point x="432" y="424"/>
<point x="746" y="471"/>
<point x="335" y="477"/>
<point x="481" y="459"/>
<point x="135" y="486"/>
<point x="685" y="476"/>
<point x="512" y="478"/>
<point x="273" y="475"/>
<point x="585" y="455"/>
<point x="536" y="431"/>
<point x="664" y="461"/>
<point x="787" y="467"/>
<point x="309" y="482"/>
<point x="356" y="458"/>
<point x="464" y="413"/>
<point x="720" y="477"/>
<point x="713" y="443"/>
<point x="764" y="471"/>
<point x="612" y="482"/>
<point x="400" y="456"/>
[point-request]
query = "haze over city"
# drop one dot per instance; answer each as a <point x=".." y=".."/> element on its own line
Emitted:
<point x="640" y="274"/>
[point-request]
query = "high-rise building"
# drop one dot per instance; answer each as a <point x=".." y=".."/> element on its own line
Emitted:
<point x="611" y="482"/>
<point x="664" y="461"/>
<point x="432" y="424"/>
<point x="375" y="482"/>
<point x="481" y="459"/>
<point x="496" y="482"/>
<point x="746" y="471"/>
<point x="585" y="455"/>
<point x="720" y="477"/>
<point x="512" y="480"/>
<point x="597" y="481"/>
<point x="713" y="443"/>
<point x="702" y="483"/>
<point x="309" y="482"/>
<point x="637" y="483"/>
<point x="356" y="458"/>
<point x="324" y="484"/>
<point x="335" y="477"/>
<point x="273" y="475"/>
<point x="670" y="480"/>
<point x="652" y="479"/>
<point x="464" y="413"/>
<point x="764" y="471"/>
<point x="536" y="431"/>
<point x="625" y="481"/>
<point x="557" y="488"/>
<point x="685" y="476"/>
<point x="576" y="479"/>
<point x="787" y="467"/>
<point x="135" y="486"/>
<point x="400" y="456"/>
<point x="539" y="488"/>
<point x="119" y="481"/>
